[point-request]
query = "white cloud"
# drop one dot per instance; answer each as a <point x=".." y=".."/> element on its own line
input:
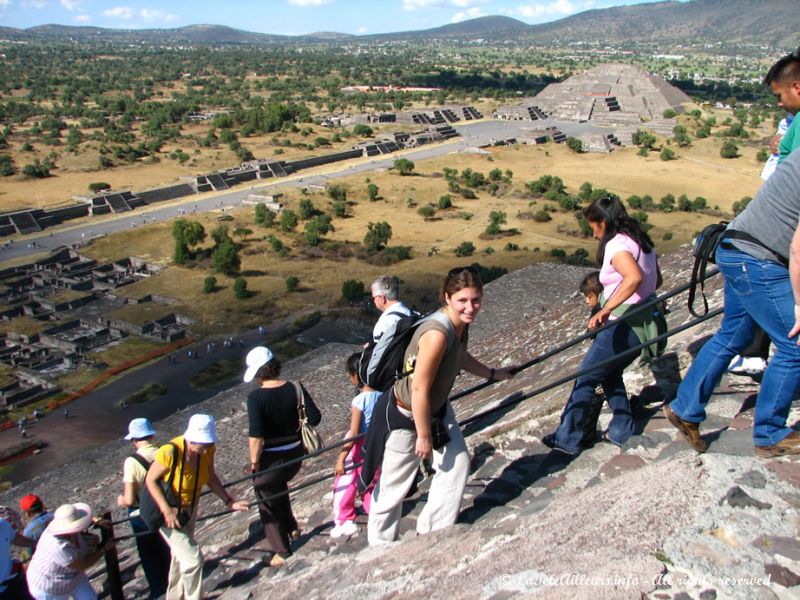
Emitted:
<point x="310" y="2"/>
<point x="427" y="4"/>
<point x="83" y="19"/>
<point x="362" y="30"/>
<point x="119" y="12"/>
<point x="71" y="5"/>
<point x="157" y="15"/>
<point x="470" y="13"/>
<point x="35" y="4"/>
<point x="557" y="8"/>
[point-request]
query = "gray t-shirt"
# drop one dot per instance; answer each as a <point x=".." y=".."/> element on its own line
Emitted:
<point x="772" y="216"/>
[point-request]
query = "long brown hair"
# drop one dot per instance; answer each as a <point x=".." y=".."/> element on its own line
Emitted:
<point x="458" y="279"/>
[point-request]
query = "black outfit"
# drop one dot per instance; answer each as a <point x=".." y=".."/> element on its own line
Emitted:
<point x="273" y="416"/>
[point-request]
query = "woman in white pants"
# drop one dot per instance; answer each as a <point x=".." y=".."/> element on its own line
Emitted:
<point x="436" y="354"/>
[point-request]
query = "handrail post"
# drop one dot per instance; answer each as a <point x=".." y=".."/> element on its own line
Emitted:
<point x="112" y="560"/>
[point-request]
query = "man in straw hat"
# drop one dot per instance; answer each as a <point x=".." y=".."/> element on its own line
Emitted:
<point x="65" y="550"/>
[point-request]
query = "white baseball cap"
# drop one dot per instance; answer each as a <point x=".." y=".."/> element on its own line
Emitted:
<point x="256" y="358"/>
<point x="201" y="430"/>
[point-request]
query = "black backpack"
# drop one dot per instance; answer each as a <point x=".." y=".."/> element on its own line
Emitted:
<point x="705" y="246"/>
<point x="381" y="362"/>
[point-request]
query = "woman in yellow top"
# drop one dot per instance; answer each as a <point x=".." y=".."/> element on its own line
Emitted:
<point x="193" y="457"/>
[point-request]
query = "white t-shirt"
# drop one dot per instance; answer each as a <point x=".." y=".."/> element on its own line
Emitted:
<point x="388" y="318"/>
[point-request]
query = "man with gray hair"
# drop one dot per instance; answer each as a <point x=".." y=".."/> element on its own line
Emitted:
<point x="386" y="296"/>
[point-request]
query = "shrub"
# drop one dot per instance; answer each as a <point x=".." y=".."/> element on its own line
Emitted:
<point x="426" y="212"/>
<point x="465" y="249"/>
<point x="292" y="283"/>
<point x="340" y="209"/>
<point x="288" y="220"/>
<point x="667" y="236"/>
<point x="362" y="130"/>
<point x="372" y="192"/>
<point x="741" y="204"/>
<point x="338" y="193"/>
<point x="209" y="284"/>
<point x="378" y="235"/>
<point x="511" y="247"/>
<point x="667" y="154"/>
<point x="240" y="288"/>
<point x="99" y="186"/>
<point x="404" y="166"/>
<point x="468" y="194"/>
<point x="307" y="209"/>
<point x="445" y="201"/>
<point x="729" y="149"/>
<point x="575" y="144"/>
<point x="762" y="155"/>
<point x="353" y="291"/>
<point x="395" y="254"/>
<point x="542" y="216"/>
<point x="557" y="253"/>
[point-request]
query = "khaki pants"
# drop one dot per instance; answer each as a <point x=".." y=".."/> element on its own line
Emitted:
<point x="186" y="566"/>
<point x="398" y="471"/>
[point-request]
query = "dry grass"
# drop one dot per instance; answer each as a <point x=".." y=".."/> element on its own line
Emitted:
<point x="699" y="171"/>
<point x="25" y="325"/>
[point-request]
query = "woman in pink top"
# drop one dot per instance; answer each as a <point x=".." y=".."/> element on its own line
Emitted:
<point x="629" y="274"/>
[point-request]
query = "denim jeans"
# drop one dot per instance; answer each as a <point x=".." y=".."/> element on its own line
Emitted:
<point x="154" y="556"/>
<point x="757" y="292"/>
<point x="607" y="343"/>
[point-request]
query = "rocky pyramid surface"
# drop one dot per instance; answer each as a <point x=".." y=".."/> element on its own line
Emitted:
<point x="650" y="520"/>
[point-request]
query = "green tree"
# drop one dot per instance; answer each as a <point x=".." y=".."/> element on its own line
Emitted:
<point x="575" y="144"/>
<point x="209" y="284"/>
<point x="353" y="291"/>
<point x="403" y="166"/>
<point x="681" y="136"/>
<point x="225" y="258"/>
<point x="288" y="220"/>
<point x="426" y="212"/>
<point x="372" y="192"/>
<point x="643" y="138"/>
<point x="242" y="233"/>
<point x="667" y="154"/>
<point x="378" y="235"/>
<point x="307" y="209"/>
<point x="240" y="288"/>
<point x="445" y="202"/>
<point x="186" y="233"/>
<point x="362" y="130"/>
<point x="729" y="149"/>
<point x="263" y="215"/>
<point x="340" y="209"/>
<point x="496" y="219"/>
<point x="6" y="165"/>
<point x="338" y="193"/>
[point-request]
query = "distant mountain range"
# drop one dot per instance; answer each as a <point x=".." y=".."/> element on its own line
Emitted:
<point x="769" y="22"/>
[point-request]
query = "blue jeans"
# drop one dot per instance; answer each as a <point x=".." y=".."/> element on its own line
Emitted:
<point x="607" y="343"/>
<point x="757" y="292"/>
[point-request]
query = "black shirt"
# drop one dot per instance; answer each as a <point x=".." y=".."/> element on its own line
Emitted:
<point x="272" y="414"/>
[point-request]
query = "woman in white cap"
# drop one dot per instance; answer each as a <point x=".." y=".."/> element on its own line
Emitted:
<point x="58" y="568"/>
<point x="190" y="457"/>
<point x="274" y="438"/>
<point x="153" y="550"/>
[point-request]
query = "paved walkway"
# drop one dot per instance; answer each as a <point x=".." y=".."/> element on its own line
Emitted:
<point x="97" y="417"/>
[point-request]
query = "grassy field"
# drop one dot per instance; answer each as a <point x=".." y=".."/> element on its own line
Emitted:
<point x="699" y="171"/>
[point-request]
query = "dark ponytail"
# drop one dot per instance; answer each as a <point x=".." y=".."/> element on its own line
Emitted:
<point x="610" y="210"/>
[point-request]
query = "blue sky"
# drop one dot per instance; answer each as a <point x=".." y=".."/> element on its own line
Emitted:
<point x="287" y="17"/>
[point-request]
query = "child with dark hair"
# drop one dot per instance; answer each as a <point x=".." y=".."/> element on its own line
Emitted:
<point x="345" y="485"/>
<point x="591" y="288"/>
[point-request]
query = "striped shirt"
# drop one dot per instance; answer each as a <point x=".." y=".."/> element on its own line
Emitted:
<point x="48" y="571"/>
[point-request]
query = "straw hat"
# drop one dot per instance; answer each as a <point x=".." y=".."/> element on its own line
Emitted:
<point x="70" y="518"/>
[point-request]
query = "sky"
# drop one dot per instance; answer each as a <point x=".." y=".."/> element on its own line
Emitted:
<point x="287" y="17"/>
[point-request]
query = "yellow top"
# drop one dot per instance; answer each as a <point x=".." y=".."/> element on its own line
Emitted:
<point x="164" y="457"/>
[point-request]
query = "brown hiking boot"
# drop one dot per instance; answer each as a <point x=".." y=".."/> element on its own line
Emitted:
<point x="788" y="445"/>
<point x="689" y="431"/>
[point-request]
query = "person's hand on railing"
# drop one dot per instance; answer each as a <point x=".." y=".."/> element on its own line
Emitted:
<point x="240" y="505"/>
<point x="599" y="318"/>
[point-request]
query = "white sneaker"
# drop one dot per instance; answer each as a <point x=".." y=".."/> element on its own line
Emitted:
<point x="346" y="529"/>
<point x="752" y="365"/>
